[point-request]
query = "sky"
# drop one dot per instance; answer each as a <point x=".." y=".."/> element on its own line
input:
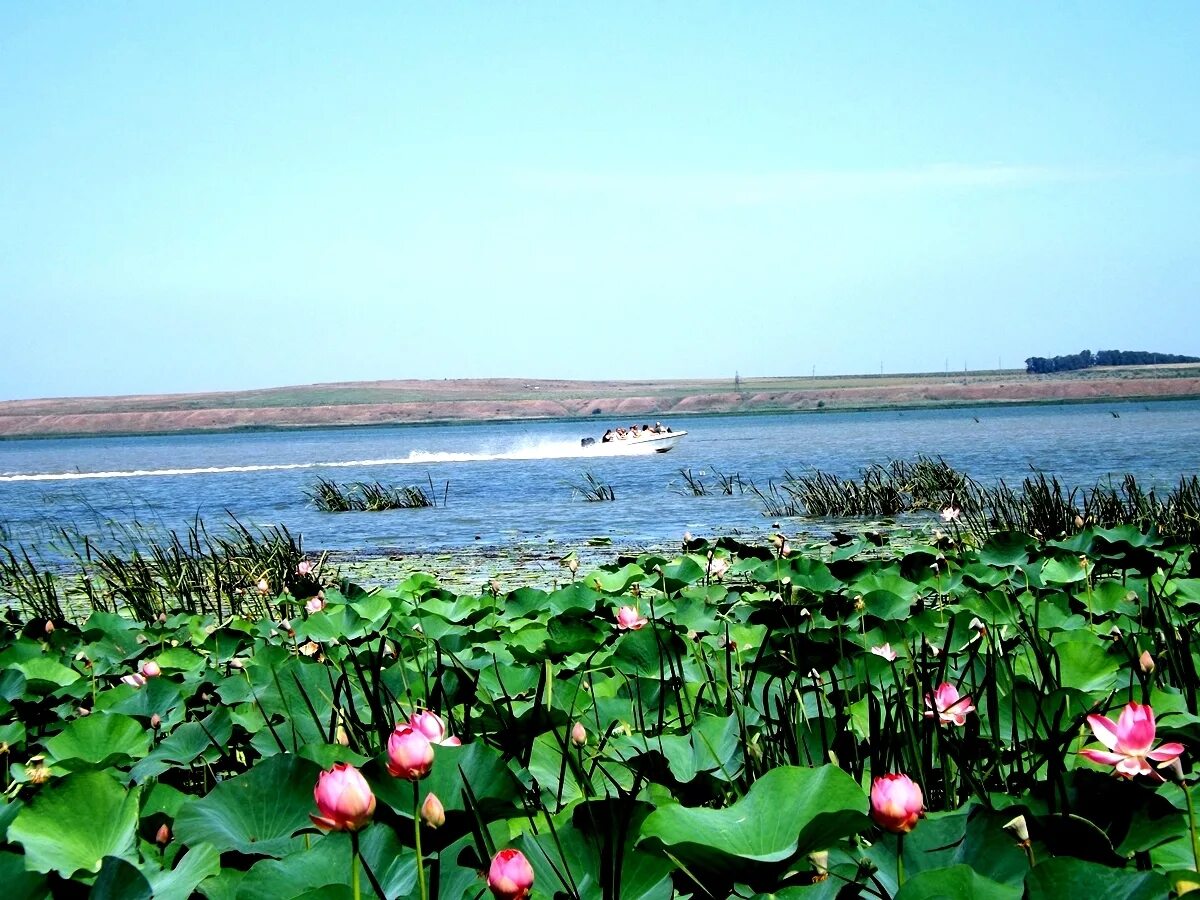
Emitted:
<point x="220" y="195"/>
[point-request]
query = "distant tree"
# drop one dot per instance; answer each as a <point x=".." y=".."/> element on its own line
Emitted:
<point x="1085" y="359"/>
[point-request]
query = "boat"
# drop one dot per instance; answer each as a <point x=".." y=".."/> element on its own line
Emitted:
<point x="645" y="442"/>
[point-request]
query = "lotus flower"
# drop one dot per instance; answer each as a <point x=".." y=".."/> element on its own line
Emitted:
<point x="717" y="567"/>
<point x="304" y="568"/>
<point x="150" y="669"/>
<point x="314" y="604"/>
<point x="951" y="514"/>
<point x="886" y="651"/>
<point x="344" y="799"/>
<point x="1128" y="741"/>
<point x="134" y="681"/>
<point x="628" y="619"/>
<point x="410" y="755"/>
<point x="510" y="876"/>
<point x="431" y="725"/>
<point x="896" y="803"/>
<point x="579" y="735"/>
<point x="947" y="705"/>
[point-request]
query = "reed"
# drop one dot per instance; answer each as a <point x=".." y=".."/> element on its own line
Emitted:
<point x="371" y="496"/>
<point x="593" y="490"/>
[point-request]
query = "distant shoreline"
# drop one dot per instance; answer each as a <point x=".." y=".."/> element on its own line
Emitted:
<point x="472" y="401"/>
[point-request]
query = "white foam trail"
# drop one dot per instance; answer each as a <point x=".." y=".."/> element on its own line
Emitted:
<point x="542" y="450"/>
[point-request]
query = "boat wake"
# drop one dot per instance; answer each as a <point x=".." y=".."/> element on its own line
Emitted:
<point x="556" y="449"/>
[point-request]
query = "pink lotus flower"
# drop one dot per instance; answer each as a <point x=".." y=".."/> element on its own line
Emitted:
<point x="951" y="514"/>
<point x="1128" y="741"/>
<point x="579" y="735"/>
<point x="344" y="799"/>
<point x="304" y="568"/>
<point x="886" y="651"/>
<point x="717" y="567"/>
<point x="431" y="725"/>
<point x="314" y="605"/>
<point x="896" y="803"/>
<point x="628" y="619"/>
<point x="264" y="586"/>
<point x="510" y="876"/>
<point x="947" y="705"/>
<point x="410" y="755"/>
<point x="150" y="669"/>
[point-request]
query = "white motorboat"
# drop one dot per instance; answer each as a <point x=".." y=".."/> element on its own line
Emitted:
<point x="645" y="442"/>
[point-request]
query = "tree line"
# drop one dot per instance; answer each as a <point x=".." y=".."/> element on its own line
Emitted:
<point x="1085" y="359"/>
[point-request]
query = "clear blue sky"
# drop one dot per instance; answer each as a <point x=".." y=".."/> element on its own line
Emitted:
<point x="208" y="196"/>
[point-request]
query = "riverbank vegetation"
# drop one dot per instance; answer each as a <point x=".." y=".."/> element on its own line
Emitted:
<point x="933" y="713"/>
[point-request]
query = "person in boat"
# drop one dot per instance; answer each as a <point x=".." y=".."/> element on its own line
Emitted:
<point x="633" y="431"/>
<point x="608" y="436"/>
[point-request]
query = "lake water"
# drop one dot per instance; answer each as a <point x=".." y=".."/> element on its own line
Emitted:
<point x="512" y="483"/>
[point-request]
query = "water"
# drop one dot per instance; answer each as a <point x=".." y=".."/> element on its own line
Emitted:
<point x="512" y="483"/>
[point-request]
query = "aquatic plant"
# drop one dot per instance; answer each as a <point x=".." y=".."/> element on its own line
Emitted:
<point x="593" y="489"/>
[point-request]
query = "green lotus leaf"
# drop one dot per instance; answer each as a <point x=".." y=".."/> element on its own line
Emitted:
<point x="255" y="813"/>
<point x="99" y="741"/>
<point x="326" y="867"/>
<point x="199" y="863"/>
<point x="1006" y="549"/>
<point x="75" y="823"/>
<point x="1063" y="571"/>
<point x="615" y="582"/>
<point x="183" y="745"/>
<point x="959" y="882"/>
<point x="44" y="675"/>
<point x="120" y="880"/>
<point x="1085" y="664"/>
<point x="19" y="883"/>
<point x="1053" y="879"/>
<point x="788" y="812"/>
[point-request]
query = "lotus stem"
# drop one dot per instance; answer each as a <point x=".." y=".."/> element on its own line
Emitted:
<point x="355" y="887"/>
<point x="422" y="892"/>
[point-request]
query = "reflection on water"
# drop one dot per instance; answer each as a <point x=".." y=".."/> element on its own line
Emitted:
<point x="511" y="483"/>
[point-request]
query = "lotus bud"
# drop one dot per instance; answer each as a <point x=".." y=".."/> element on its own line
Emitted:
<point x="83" y="711"/>
<point x="343" y="798"/>
<point x="573" y="565"/>
<point x="162" y="618"/>
<point x="1018" y="829"/>
<point x="510" y="876"/>
<point x="134" y="681"/>
<point x="1079" y="521"/>
<point x="264" y="586"/>
<point x="896" y="803"/>
<point x="494" y="587"/>
<point x="156" y="721"/>
<point x="579" y="735"/>
<point x="410" y="755"/>
<point x="433" y="813"/>
<point x="163" y="835"/>
<point x="49" y="629"/>
<point x="1146" y="661"/>
<point x="150" y="669"/>
<point x="237" y="663"/>
<point x="340" y="736"/>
